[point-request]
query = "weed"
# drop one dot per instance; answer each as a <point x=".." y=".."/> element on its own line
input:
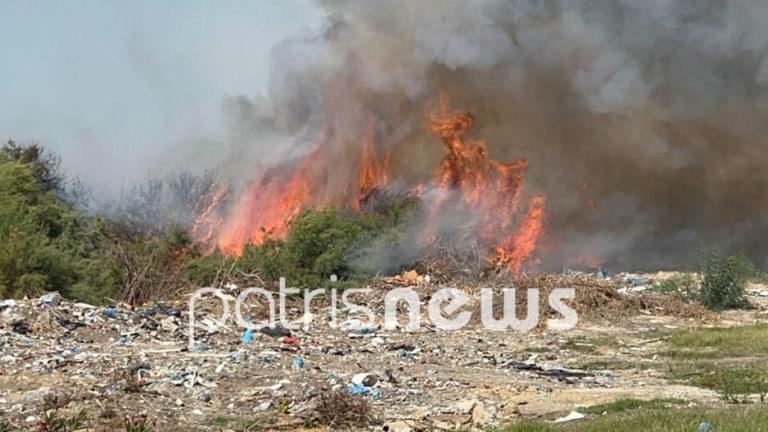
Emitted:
<point x="137" y="424"/>
<point x="684" y="285"/>
<point x="53" y="422"/>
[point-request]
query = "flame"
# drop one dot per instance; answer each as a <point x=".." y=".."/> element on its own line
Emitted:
<point x="268" y="207"/>
<point x="373" y="171"/>
<point x="467" y="179"/>
<point x="491" y="188"/>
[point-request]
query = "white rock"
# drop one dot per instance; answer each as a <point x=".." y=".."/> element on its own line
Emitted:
<point x="466" y="406"/>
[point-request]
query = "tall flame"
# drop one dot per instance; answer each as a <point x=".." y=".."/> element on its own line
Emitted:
<point x="491" y="188"/>
<point x="466" y="177"/>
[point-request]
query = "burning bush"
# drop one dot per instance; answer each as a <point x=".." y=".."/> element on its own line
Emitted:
<point x="320" y="243"/>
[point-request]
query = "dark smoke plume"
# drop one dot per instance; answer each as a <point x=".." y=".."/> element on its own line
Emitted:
<point x="644" y="122"/>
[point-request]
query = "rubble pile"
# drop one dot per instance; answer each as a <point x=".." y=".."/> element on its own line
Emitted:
<point x="119" y="362"/>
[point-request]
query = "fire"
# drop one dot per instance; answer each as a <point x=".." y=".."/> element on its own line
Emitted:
<point x="373" y="171"/>
<point x="268" y="207"/>
<point x="491" y="188"/>
<point x="467" y="181"/>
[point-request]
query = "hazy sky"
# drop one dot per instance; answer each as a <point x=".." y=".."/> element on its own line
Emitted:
<point x="109" y="84"/>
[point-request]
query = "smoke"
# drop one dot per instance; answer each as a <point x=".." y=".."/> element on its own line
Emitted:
<point x="643" y="122"/>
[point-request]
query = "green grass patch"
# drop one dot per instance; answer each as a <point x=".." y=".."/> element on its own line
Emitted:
<point x="720" y="342"/>
<point x="659" y="420"/>
<point x="735" y="382"/>
<point x="623" y="405"/>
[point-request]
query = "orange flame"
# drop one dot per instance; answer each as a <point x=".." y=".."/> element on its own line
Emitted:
<point x="492" y="188"/>
<point x="372" y="172"/>
<point x="466" y="177"/>
<point x="266" y="210"/>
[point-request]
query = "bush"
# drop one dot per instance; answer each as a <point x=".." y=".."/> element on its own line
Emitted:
<point x="324" y="242"/>
<point x="339" y="409"/>
<point x="724" y="281"/>
<point x="684" y="285"/>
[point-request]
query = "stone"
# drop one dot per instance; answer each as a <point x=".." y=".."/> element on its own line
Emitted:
<point x="481" y="415"/>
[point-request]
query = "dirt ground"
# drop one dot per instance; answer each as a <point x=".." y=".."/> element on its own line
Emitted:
<point x="120" y="362"/>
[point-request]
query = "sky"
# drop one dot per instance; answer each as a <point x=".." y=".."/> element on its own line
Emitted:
<point x="112" y="85"/>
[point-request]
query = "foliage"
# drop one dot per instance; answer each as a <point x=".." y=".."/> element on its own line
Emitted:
<point x="53" y="422"/>
<point x="137" y="424"/>
<point x="328" y="242"/>
<point x="49" y="245"/>
<point x="46" y="245"/>
<point x="724" y="281"/>
<point x="44" y="167"/>
<point x="684" y="285"/>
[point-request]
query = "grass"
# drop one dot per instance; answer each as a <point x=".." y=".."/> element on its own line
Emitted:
<point x="728" y="360"/>
<point x="586" y="345"/>
<point x="719" y="342"/>
<point x="623" y="405"/>
<point x="659" y="420"/>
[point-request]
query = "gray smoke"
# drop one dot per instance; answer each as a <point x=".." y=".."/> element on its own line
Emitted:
<point x="644" y="122"/>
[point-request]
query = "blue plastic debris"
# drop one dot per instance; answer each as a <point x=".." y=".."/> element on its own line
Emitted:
<point x="247" y="336"/>
<point x="199" y="347"/>
<point x="298" y="362"/>
<point x="359" y="389"/>
<point x="123" y="340"/>
<point x="706" y="426"/>
<point x="110" y="312"/>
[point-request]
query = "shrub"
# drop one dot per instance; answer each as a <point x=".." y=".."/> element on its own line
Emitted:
<point x="324" y="242"/>
<point x="339" y="409"/>
<point x="53" y="422"/>
<point x="684" y="285"/>
<point x="724" y="281"/>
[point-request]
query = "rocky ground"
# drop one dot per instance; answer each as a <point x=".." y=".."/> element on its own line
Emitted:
<point x="120" y="362"/>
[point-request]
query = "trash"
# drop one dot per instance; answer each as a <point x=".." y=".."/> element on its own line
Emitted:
<point x="110" y="312"/>
<point x="20" y="326"/>
<point x="557" y="372"/>
<point x="247" y="336"/>
<point x="357" y="326"/>
<point x="410" y="275"/>
<point x="262" y="406"/>
<point x="359" y="389"/>
<point x="298" y="362"/>
<point x="366" y="379"/>
<point x="334" y="351"/>
<point x="573" y="415"/>
<point x="50" y="299"/>
<point x="706" y="426"/>
<point x="275" y="332"/>
<point x="287" y="340"/>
